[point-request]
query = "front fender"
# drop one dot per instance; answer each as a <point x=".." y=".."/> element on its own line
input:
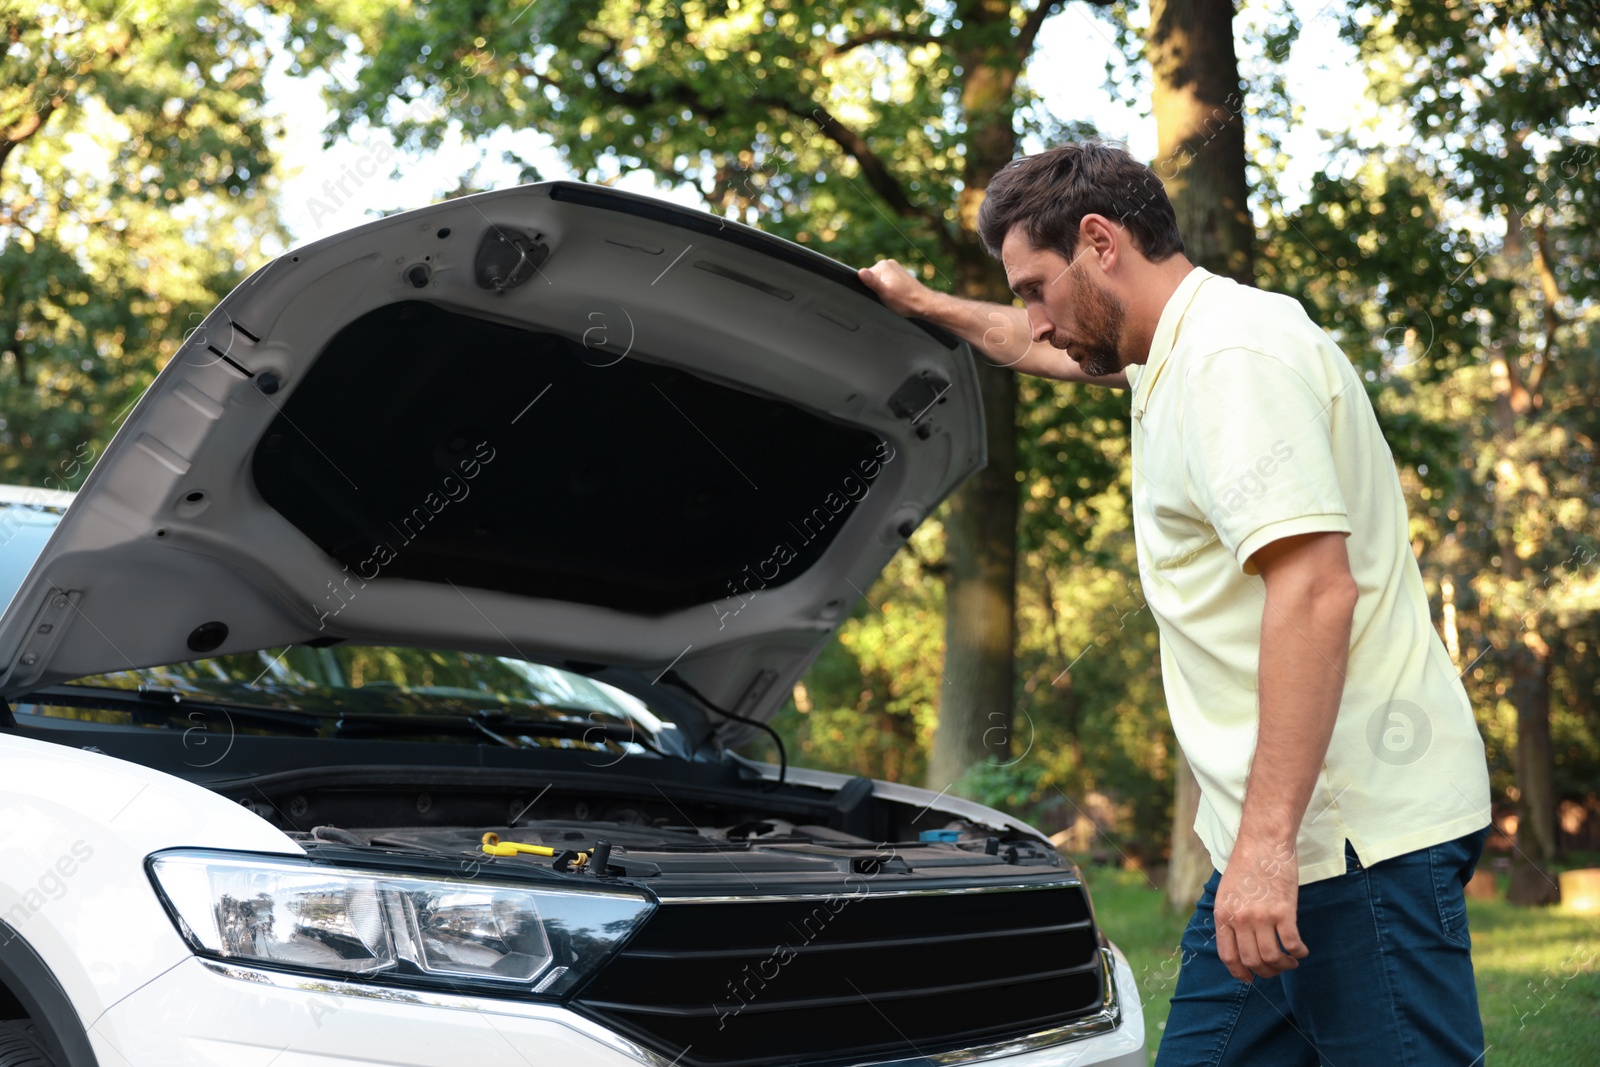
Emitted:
<point x="75" y="828"/>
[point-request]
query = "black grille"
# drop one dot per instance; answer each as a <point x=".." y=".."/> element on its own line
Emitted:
<point x="850" y="978"/>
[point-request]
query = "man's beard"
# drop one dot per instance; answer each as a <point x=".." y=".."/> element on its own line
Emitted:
<point x="1100" y="317"/>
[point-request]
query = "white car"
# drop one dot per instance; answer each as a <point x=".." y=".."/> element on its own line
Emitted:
<point x="373" y="701"/>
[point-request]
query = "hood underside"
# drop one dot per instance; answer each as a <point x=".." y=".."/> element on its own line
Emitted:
<point x="555" y="421"/>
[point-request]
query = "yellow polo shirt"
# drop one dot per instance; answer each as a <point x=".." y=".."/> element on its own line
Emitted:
<point x="1249" y="424"/>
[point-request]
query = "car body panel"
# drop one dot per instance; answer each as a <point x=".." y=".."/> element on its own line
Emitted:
<point x="82" y="900"/>
<point x="226" y="1017"/>
<point x="75" y="829"/>
<point x="170" y="531"/>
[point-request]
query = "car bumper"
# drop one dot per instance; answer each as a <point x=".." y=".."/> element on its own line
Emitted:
<point x="205" y="1014"/>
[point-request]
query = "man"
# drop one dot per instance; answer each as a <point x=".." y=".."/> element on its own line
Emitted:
<point x="1344" y="791"/>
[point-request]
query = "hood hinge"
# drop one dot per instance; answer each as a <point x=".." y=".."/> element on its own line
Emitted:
<point x="49" y="624"/>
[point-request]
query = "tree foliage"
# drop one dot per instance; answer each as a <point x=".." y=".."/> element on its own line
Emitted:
<point x="135" y="184"/>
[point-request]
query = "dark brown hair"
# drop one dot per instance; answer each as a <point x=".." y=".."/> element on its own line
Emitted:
<point x="1050" y="193"/>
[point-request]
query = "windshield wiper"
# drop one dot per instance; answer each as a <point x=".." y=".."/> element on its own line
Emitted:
<point x="494" y="725"/>
<point x="149" y="705"/>
<point x="156" y="706"/>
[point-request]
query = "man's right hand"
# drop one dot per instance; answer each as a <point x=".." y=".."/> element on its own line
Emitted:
<point x="899" y="290"/>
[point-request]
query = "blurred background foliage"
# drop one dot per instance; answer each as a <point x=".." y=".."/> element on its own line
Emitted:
<point x="136" y="182"/>
<point x="1454" y="254"/>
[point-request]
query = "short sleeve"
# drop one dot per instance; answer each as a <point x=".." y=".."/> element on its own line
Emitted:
<point x="1258" y="451"/>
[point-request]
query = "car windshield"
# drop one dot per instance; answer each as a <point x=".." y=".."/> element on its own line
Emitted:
<point x="367" y="692"/>
<point x="24" y="528"/>
<point x="346" y="691"/>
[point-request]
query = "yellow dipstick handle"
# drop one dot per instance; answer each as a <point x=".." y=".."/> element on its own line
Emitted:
<point x="493" y="846"/>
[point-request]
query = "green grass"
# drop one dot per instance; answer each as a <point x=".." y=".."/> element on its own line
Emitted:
<point x="1538" y="969"/>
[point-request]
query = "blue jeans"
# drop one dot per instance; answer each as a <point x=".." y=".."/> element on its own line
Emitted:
<point x="1388" y="979"/>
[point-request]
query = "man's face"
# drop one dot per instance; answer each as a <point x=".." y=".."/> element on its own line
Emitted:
<point x="1066" y="307"/>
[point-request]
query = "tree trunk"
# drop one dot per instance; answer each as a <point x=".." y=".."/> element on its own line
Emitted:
<point x="1531" y="882"/>
<point x="1190" y="865"/>
<point x="1200" y="142"/>
<point x="1198" y="106"/>
<point x="1534" y="760"/>
<point x="980" y="599"/>
<point x="976" y="698"/>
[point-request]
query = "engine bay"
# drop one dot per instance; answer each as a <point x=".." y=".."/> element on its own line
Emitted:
<point x="674" y="843"/>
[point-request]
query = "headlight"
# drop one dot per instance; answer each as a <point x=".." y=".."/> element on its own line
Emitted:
<point x="437" y="931"/>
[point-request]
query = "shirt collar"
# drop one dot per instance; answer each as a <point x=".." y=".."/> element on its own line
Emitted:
<point x="1166" y="334"/>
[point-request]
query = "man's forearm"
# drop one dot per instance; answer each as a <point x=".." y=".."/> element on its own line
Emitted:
<point x="1305" y="646"/>
<point x="1001" y="333"/>
<point x="996" y="330"/>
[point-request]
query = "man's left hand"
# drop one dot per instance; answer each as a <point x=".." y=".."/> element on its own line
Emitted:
<point x="1257" y="933"/>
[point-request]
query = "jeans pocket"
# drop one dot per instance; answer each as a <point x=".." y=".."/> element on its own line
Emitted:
<point x="1451" y="865"/>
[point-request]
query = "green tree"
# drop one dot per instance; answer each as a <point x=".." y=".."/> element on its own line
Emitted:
<point x="134" y="192"/>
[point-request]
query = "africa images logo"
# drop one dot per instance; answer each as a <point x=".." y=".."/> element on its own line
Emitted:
<point x="852" y="488"/>
<point x="451" y="490"/>
<point x="1399" y="732"/>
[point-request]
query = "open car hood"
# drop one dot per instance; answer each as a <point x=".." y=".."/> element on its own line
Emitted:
<point x="555" y="421"/>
